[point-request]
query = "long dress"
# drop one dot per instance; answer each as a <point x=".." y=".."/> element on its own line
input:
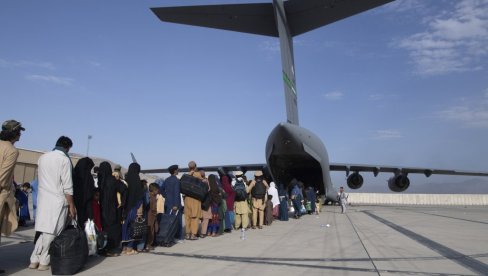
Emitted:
<point x="135" y="199"/>
<point x="111" y="214"/>
<point x="83" y="188"/>
<point x="131" y="216"/>
<point x="283" y="215"/>
<point x="273" y="191"/>
<point x="229" y="201"/>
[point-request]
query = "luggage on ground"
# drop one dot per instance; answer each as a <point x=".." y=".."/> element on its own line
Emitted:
<point x="193" y="187"/>
<point x="69" y="251"/>
<point x="168" y="226"/>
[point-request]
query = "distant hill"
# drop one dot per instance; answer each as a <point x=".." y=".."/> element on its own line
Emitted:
<point x="469" y="186"/>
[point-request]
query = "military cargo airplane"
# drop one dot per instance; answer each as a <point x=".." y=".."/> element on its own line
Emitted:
<point x="293" y="151"/>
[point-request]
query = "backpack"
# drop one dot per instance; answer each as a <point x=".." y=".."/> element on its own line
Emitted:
<point x="259" y="190"/>
<point x="240" y="189"/>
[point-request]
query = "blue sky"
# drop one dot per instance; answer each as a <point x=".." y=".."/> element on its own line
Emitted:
<point x="405" y="84"/>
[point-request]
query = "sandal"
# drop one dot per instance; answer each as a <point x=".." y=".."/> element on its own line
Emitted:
<point x="111" y="254"/>
<point x="131" y="252"/>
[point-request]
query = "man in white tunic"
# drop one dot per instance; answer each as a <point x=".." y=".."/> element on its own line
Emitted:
<point x="342" y="198"/>
<point x="54" y="200"/>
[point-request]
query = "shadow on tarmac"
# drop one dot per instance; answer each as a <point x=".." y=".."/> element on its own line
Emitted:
<point x="292" y="262"/>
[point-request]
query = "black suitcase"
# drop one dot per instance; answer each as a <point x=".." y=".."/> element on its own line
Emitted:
<point x="69" y="251"/>
<point x="168" y="226"/>
<point x="193" y="187"/>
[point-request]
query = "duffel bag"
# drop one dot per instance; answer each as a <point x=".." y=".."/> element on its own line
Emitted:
<point x="69" y="251"/>
<point x="193" y="187"/>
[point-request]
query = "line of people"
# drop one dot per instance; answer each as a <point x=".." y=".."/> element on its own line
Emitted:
<point x="233" y="202"/>
<point x="117" y="204"/>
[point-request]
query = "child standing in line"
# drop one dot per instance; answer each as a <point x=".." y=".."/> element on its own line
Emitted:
<point x="22" y="195"/>
<point x="152" y="213"/>
<point x="93" y="210"/>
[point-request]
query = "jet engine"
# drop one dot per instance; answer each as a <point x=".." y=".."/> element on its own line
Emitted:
<point x="355" y="181"/>
<point x="398" y="183"/>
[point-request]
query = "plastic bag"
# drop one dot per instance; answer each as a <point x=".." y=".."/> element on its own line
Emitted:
<point x="91" y="236"/>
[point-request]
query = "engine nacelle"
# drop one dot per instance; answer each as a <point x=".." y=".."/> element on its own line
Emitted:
<point x="355" y="181"/>
<point x="398" y="183"/>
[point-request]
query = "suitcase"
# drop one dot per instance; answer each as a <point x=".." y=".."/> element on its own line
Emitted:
<point x="168" y="226"/>
<point x="69" y="251"/>
<point x="193" y="187"/>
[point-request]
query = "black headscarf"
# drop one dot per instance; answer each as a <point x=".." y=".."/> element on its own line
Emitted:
<point x="109" y="186"/>
<point x="135" y="191"/>
<point x="215" y="194"/>
<point x="108" y="193"/>
<point x="83" y="186"/>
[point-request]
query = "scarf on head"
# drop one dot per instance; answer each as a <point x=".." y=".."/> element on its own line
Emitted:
<point x="83" y="186"/>
<point x="135" y="190"/>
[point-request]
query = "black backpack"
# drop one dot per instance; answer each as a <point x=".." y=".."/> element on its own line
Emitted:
<point x="259" y="190"/>
<point x="240" y="189"/>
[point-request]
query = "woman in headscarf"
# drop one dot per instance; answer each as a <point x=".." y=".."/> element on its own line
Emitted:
<point x="111" y="220"/>
<point x="216" y="200"/>
<point x="133" y="207"/>
<point x="272" y="191"/>
<point x="283" y="202"/>
<point x="225" y="180"/>
<point x="83" y="186"/>
<point x="311" y="198"/>
<point x="296" y="197"/>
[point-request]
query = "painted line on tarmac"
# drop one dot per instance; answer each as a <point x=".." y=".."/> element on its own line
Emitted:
<point x="362" y="243"/>
<point x="466" y="261"/>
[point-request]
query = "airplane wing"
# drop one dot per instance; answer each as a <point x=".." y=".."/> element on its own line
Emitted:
<point x="247" y="18"/>
<point x="259" y="18"/>
<point x="376" y="169"/>
<point x="306" y="15"/>
<point x="226" y="168"/>
<point x="347" y="168"/>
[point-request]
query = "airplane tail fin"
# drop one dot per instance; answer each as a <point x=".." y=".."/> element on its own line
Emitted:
<point x="278" y="19"/>
<point x="133" y="158"/>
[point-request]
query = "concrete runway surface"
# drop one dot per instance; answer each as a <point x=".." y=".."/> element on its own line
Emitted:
<point x="368" y="240"/>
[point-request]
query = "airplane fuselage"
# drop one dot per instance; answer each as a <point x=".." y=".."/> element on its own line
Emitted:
<point x="295" y="152"/>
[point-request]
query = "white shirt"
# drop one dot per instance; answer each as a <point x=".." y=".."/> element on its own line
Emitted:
<point x="55" y="180"/>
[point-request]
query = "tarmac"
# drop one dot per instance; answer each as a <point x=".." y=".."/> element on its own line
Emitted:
<point x="367" y="240"/>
